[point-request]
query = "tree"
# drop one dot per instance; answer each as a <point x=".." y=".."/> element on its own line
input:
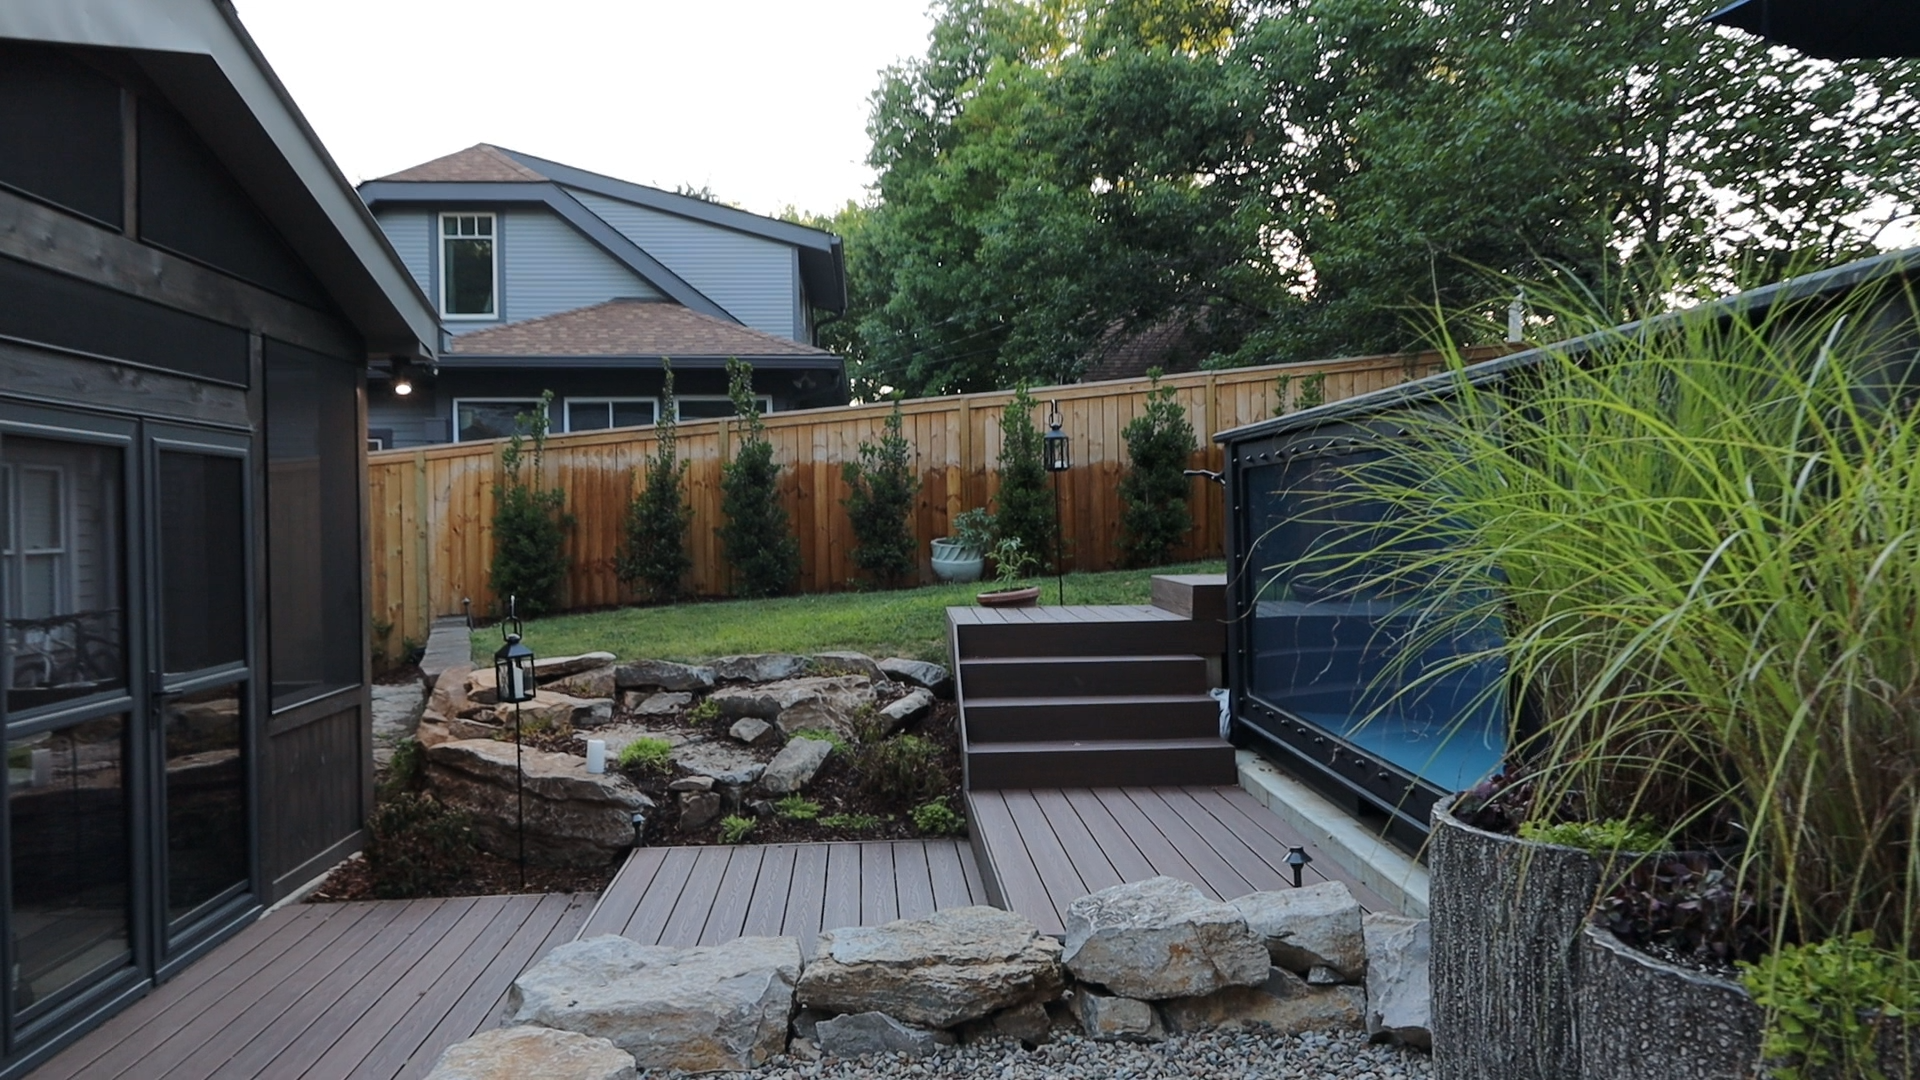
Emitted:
<point x="879" y="503"/>
<point x="758" y="536"/>
<point x="1025" y="510"/>
<point x="1160" y="442"/>
<point x="530" y="522"/>
<point x="654" y="557"/>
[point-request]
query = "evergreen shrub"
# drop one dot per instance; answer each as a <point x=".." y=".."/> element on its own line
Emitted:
<point x="654" y="559"/>
<point x="758" y="537"/>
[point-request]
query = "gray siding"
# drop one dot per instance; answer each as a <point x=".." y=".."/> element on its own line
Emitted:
<point x="756" y="280"/>
<point x="548" y="267"/>
<point x="410" y="230"/>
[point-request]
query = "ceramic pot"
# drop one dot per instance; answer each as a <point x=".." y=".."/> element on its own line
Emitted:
<point x="953" y="562"/>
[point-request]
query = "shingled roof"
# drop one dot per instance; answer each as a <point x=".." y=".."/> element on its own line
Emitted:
<point x="480" y="163"/>
<point x="646" y="328"/>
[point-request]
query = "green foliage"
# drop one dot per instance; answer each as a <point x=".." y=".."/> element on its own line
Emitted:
<point x="1160" y="442"/>
<point x="1313" y="390"/>
<point x="1010" y="563"/>
<point x="936" y="818"/>
<point x="704" y="711"/>
<point x="417" y="846"/>
<point x="734" y="828"/>
<point x="795" y="808"/>
<point x="832" y="738"/>
<point x="530" y="522"/>
<point x="654" y="559"/>
<point x="1026" y="510"/>
<point x="974" y="530"/>
<point x="647" y="755"/>
<point x="1822" y="1001"/>
<point x="758" y="536"/>
<point x="855" y="822"/>
<point x="905" y="768"/>
<point x="404" y="771"/>
<point x="879" y="503"/>
<point x="1599" y="836"/>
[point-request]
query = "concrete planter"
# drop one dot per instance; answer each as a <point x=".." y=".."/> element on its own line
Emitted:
<point x="954" y="562"/>
<point x="1506" y="916"/>
<point x="1638" y="1016"/>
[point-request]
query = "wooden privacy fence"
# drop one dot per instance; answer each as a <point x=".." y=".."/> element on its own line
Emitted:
<point x="432" y="509"/>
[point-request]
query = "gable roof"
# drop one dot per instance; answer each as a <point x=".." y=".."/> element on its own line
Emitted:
<point x="480" y="172"/>
<point x="211" y="72"/>
<point x="629" y="329"/>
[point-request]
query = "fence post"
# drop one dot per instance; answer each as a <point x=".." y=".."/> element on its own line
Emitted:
<point x="423" y="531"/>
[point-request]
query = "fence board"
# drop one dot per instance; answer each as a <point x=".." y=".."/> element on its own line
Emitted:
<point x="432" y="515"/>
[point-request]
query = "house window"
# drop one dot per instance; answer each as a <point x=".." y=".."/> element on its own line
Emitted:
<point x="696" y="407"/>
<point x="467" y="266"/>
<point x="598" y="414"/>
<point x="491" y="418"/>
<point x="34" y="502"/>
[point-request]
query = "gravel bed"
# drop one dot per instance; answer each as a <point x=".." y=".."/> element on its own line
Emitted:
<point x="1238" y="1054"/>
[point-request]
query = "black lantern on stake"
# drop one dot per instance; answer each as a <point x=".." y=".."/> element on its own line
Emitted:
<point x="513" y="684"/>
<point x="1057" y="453"/>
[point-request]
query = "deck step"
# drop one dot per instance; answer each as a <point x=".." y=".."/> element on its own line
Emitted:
<point x="1077" y="676"/>
<point x="1086" y="631"/>
<point x="1202" y="597"/>
<point x="1099" y="763"/>
<point x="1139" y="716"/>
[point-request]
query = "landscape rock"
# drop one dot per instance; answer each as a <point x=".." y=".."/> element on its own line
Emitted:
<point x="946" y="969"/>
<point x="1399" y="995"/>
<point x="633" y="699"/>
<point x="1105" y="1017"/>
<point x="462" y="728"/>
<point x="932" y="677"/>
<point x="1161" y="938"/>
<point x="1285" y="1001"/>
<point x="595" y="683"/>
<point x="692" y="783"/>
<point x="665" y="703"/>
<point x="548" y="668"/>
<point x="449" y="697"/>
<point x="432" y="730"/>
<point x="759" y="667"/>
<point x="662" y="675"/>
<point x="698" y="809"/>
<point x="904" y="711"/>
<point x="845" y="663"/>
<point x="1312" y="926"/>
<point x="702" y="1009"/>
<point x="552" y="709"/>
<point x="724" y="763"/>
<point x="829" y="703"/>
<point x="1028" y="1023"/>
<point x="1321" y="975"/>
<point x="857" y="1034"/>
<point x="573" y="817"/>
<point x="794" y="766"/>
<point x="752" y="730"/>
<point x="515" y="1053"/>
<point x="476" y="686"/>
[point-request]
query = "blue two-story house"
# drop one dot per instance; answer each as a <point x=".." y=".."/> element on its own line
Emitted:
<point x="548" y="277"/>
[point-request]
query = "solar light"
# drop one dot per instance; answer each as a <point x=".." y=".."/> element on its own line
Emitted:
<point x="1058" y="451"/>
<point x="513" y="667"/>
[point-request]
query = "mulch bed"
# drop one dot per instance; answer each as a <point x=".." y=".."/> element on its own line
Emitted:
<point x="489" y="875"/>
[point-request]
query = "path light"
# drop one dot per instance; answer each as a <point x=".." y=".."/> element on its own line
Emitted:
<point x="513" y="684"/>
<point x="1058" y="457"/>
<point x="1297" y="858"/>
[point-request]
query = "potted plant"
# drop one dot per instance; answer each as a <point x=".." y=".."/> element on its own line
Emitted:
<point x="1010" y="565"/>
<point x="962" y="556"/>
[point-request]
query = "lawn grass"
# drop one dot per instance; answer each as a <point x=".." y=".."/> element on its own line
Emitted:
<point x="905" y="622"/>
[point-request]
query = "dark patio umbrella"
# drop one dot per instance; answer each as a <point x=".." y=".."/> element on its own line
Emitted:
<point x="1831" y="29"/>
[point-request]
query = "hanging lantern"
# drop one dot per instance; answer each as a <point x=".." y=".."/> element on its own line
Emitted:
<point x="1058" y="453"/>
<point x="513" y="667"/>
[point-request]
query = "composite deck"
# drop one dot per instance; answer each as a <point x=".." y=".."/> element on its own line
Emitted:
<point x="369" y="991"/>
<point x="1045" y="847"/>
<point x="703" y="895"/>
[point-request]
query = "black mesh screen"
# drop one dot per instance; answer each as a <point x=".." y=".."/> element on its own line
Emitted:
<point x="60" y="137"/>
<point x="40" y="305"/>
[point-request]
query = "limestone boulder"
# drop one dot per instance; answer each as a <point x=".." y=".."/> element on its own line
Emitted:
<point x="1284" y="1001"/>
<point x="941" y="971"/>
<point x="1161" y="938"/>
<point x="759" y="667"/>
<point x="927" y="676"/>
<point x="725" y="764"/>
<point x="858" y="1034"/>
<point x="594" y="683"/>
<point x="753" y="731"/>
<point x="845" y="663"/>
<point x="1111" y="1019"/>
<point x="1309" y="927"/>
<point x="552" y="709"/>
<point x="794" y="766"/>
<point x="461" y="727"/>
<point x="698" y="809"/>
<point x="905" y="710"/>
<point x="1399" y="995"/>
<point x="573" y="817"/>
<point x="516" y="1053"/>
<point x="665" y="703"/>
<point x="1028" y="1023"/>
<point x="432" y="730"/>
<point x="449" y="697"/>
<point x="827" y="703"/>
<point x="549" y="668"/>
<point x="703" y="1009"/>
<point x="662" y="675"/>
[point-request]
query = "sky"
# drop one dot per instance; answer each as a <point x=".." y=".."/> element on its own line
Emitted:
<point x="763" y="101"/>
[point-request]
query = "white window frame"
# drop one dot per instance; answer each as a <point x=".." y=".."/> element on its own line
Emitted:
<point x="13" y="550"/>
<point x="765" y="401"/>
<point x="609" y="401"/>
<point x="493" y="248"/>
<point x="453" y="420"/>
